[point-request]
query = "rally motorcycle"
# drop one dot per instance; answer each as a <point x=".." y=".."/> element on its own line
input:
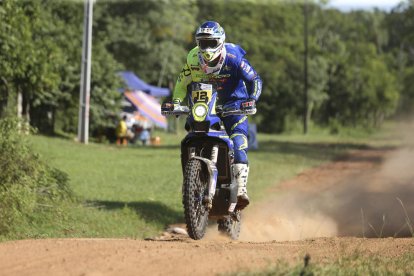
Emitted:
<point x="209" y="187"/>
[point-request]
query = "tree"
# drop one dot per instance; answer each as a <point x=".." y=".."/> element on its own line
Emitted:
<point x="147" y="37"/>
<point x="105" y="98"/>
<point x="400" y="23"/>
<point x="360" y="62"/>
<point x="27" y="52"/>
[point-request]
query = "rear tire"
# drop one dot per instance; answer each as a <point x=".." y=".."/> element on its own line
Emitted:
<point x="195" y="188"/>
<point x="230" y="227"/>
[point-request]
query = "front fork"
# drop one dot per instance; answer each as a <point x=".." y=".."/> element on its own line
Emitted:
<point x="212" y="169"/>
<point x="213" y="179"/>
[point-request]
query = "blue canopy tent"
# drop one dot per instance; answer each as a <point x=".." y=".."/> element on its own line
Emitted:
<point x="133" y="83"/>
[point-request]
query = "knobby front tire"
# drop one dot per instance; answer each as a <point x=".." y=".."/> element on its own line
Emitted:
<point x="195" y="188"/>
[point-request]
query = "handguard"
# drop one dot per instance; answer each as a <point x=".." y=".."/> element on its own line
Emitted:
<point x="174" y="109"/>
<point x="249" y="107"/>
<point x="246" y="108"/>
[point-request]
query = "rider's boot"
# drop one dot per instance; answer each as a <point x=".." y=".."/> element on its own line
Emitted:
<point x="240" y="173"/>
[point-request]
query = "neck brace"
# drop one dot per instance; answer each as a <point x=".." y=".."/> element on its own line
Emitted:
<point x="215" y="69"/>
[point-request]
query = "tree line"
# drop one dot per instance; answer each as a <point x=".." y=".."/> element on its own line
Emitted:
<point x="361" y="63"/>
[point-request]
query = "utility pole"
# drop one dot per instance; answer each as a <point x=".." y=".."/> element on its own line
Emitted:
<point x="85" y="83"/>
<point x="305" y="65"/>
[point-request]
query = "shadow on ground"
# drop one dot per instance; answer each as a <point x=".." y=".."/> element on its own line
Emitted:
<point x="150" y="211"/>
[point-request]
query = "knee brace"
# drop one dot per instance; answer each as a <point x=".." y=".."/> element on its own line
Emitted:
<point x="240" y="148"/>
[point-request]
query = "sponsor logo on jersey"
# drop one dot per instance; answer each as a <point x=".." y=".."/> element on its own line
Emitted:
<point x="220" y="76"/>
<point x="227" y="68"/>
<point x="195" y="67"/>
<point x="252" y="74"/>
<point x="245" y="67"/>
<point x="231" y="55"/>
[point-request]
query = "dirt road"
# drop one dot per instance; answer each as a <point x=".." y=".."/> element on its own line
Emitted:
<point x="183" y="257"/>
<point x="365" y="194"/>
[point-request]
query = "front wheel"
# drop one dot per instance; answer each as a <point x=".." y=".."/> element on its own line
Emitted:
<point x="194" y="190"/>
<point x="230" y="226"/>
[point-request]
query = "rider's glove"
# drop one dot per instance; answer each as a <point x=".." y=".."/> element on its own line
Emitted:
<point x="176" y="104"/>
<point x="248" y="106"/>
<point x="167" y="108"/>
<point x="174" y="108"/>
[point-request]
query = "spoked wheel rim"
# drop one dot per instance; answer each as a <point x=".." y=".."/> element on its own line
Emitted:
<point x="195" y="189"/>
<point x="199" y="194"/>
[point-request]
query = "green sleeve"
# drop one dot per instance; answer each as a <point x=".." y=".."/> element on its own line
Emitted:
<point x="183" y="80"/>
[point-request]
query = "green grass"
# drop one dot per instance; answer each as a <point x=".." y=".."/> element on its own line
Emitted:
<point x="126" y="192"/>
<point x="136" y="191"/>
<point x="355" y="264"/>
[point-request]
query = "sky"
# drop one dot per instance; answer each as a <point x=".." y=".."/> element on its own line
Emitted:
<point x="347" y="5"/>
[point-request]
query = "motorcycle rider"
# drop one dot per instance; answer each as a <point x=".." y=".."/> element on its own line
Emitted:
<point x="238" y="86"/>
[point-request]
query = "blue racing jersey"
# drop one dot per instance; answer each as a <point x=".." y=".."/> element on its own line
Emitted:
<point x="233" y="77"/>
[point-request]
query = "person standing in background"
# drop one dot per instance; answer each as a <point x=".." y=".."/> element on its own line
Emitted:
<point x="121" y="132"/>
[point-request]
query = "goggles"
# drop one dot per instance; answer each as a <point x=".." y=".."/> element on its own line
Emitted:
<point x="208" y="43"/>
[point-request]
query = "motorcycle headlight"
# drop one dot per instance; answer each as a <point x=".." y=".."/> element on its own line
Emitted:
<point x="200" y="111"/>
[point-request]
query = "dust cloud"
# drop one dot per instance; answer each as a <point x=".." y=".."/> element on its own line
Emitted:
<point x="368" y="194"/>
<point x="289" y="217"/>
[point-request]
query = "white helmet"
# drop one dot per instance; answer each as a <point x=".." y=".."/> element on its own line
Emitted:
<point x="210" y="38"/>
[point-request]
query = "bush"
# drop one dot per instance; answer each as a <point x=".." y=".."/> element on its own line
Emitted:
<point x="27" y="184"/>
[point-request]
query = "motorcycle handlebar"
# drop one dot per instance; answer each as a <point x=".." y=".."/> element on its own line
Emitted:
<point x="226" y="113"/>
<point x="184" y="110"/>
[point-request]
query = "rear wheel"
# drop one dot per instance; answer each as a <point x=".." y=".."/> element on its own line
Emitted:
<point x="230" y="226"/>
<point x="195" y="189"/>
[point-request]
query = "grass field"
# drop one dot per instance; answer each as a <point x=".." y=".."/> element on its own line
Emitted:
<point x="136" y="191"/>
<point x="356" y="264"/>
